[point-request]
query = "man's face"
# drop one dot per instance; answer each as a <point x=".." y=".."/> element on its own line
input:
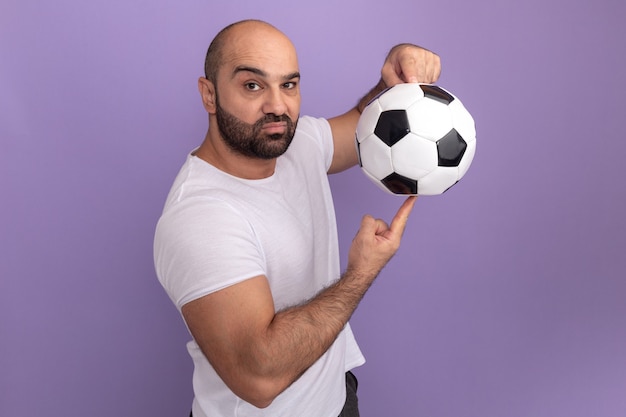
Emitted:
<point x="255" y="140"/>
<point x="257" y="93"/>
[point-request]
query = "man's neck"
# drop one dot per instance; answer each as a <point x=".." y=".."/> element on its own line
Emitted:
<point x="215" y="152"/>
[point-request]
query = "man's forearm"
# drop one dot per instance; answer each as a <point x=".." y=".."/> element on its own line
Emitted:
<point x="298" y="336"/>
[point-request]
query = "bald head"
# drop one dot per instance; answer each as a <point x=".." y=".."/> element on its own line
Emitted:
<point x="250" y="34"/>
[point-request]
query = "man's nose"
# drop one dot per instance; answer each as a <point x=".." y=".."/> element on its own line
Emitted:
<point x="275" y="103"/>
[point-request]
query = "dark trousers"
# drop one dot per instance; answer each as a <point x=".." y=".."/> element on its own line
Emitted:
<point x="351" y="407"/>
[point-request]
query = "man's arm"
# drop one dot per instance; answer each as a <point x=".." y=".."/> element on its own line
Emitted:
<point x="404" y="63"/>
<point x="258" y="353"/>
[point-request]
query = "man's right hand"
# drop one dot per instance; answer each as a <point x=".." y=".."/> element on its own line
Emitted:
<point x="375" y="243"/>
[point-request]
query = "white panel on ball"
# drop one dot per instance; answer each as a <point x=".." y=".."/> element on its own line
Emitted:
<point x="462" y="121"/>
<point x="438" y="181"/>
<point x="368" y="120"/>
<point x="467" y="158"/>
<point x="414" y="156"/>
<point x="376" y="181"/>
<point x="376" y="157"/>
<point x="400" y="97"/>
<point x="430" y="119"/>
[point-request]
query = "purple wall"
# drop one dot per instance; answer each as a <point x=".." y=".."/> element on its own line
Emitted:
<point x="508" y="297"/>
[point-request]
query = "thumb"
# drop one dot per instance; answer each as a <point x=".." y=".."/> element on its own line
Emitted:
<point x="368" y="224"/>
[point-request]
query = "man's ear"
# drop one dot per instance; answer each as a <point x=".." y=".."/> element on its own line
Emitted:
<point x="207" y="92"/>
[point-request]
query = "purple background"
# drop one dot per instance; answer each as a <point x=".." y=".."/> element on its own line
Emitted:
<point x="508" y="296"/>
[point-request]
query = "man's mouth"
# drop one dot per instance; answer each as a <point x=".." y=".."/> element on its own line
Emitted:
<point x="275" y="127"/>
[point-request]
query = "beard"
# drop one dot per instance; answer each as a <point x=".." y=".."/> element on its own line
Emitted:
<point x="249" y="140"/>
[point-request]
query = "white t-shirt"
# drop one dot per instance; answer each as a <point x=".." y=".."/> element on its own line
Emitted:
<point x="217" y="230"/>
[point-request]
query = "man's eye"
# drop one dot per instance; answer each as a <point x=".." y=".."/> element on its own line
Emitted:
<point x="289" y="85"/>
<point x="252" y="86"/>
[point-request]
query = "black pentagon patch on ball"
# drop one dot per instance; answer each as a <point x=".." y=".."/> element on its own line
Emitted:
<point x="399" y="184"/>
<point x="392" y="126"/>
<point x="451" y="149"/>
<point x="437" y="93"/>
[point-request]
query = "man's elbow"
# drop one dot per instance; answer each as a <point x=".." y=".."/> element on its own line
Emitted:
<point x="261" y="392"/>
<point x="261" y="402"/>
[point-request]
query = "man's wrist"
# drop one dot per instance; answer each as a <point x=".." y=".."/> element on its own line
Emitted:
<point x="366" y="99"/>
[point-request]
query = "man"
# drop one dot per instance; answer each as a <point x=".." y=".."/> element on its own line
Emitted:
<point x="247" y="245"/>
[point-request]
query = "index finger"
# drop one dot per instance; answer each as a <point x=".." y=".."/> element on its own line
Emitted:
<point x="424" y="67"/>
<point x="398" y="224"/>
<point x="411" y="70"/>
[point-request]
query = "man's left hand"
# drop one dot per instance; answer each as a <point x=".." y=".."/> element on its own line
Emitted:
<point x="408" y="63"/>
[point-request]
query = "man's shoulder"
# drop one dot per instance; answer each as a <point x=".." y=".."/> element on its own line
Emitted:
<point x="312" y="125"/>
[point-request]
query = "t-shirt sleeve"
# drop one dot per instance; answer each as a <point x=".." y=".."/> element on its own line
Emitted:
<point x="202" y="246"/>
<point x="319" y="131"/>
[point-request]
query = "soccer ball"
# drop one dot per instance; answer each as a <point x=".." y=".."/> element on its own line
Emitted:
<point x="415" y="139"/>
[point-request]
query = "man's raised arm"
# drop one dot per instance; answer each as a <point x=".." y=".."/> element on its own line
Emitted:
<point x="405" y="63"/>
